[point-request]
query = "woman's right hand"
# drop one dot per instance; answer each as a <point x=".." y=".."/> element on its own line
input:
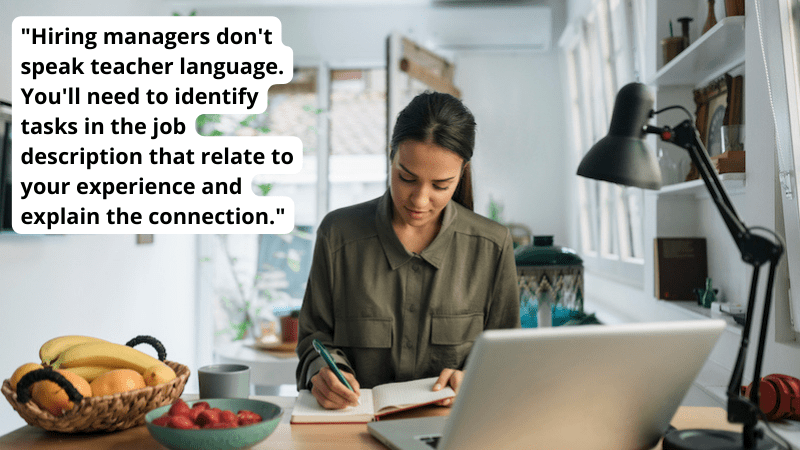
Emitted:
<point x="331" y="393"/>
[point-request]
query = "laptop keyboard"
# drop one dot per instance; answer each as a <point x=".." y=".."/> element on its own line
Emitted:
<point x="432" y="441"/>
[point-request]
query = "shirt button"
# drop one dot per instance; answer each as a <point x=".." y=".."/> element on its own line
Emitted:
<point x="415" y="267"/>
<point x="408" y="343"/>
<point x="412" y="308"/>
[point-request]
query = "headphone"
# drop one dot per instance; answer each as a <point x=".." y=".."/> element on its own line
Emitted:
<point x="779" y="396"/>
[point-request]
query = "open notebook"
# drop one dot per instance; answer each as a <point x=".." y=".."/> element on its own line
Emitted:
<point x="375" y="403"/>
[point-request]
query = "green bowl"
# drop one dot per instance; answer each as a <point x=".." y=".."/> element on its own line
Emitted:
<point x="218" y="439"/>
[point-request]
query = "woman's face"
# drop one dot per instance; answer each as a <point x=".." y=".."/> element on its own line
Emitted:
<point x="424" y="177"/>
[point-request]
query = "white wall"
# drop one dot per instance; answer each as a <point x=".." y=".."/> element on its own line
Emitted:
<point x="520" y="149"/>
<point x="105" y="286"/>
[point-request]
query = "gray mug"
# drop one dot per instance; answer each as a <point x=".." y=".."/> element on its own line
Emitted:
<point x="224" y="381"/>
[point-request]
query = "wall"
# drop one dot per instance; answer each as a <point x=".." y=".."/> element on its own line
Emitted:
<point x="105" y="286"/>
<point x="520" y="137"/>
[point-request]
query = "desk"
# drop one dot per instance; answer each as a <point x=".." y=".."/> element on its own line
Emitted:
<point x="286" y="436"/>
<point x="266" y="369"/>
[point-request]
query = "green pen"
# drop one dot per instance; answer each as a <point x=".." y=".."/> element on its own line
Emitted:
<point x="320" y="348"/>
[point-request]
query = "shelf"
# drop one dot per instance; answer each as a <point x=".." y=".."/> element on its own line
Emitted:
<point x="695" y="311"/>
<point x="734" y="183"/>
<point x="717" y="51"/>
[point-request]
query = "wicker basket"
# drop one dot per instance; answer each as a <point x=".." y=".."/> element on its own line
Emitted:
<point x="107" y="413"/>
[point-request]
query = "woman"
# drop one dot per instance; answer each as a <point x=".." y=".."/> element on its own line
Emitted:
<point x="400" y="286"/>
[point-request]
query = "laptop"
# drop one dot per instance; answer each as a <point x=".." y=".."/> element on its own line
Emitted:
<point x="575" y="387"/>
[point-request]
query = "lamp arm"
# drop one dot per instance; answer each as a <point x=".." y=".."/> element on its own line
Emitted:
<point x="685" y="136"/>
<point x="755" y="250"/>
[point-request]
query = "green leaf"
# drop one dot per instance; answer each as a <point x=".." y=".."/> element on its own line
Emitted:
<point x="248" y="120"/>
<point x="265" y="188"/>
<point x="241" y="329"/>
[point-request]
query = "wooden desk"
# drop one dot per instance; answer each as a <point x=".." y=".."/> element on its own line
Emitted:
<point x="286" y="436"/>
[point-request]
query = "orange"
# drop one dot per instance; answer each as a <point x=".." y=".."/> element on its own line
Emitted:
<point x="21" y="372"/>
<point x="117" y="381"/>
<point x="52" y="397"/>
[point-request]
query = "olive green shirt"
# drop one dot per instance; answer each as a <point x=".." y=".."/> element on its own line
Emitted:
<point x="387" y="314"/>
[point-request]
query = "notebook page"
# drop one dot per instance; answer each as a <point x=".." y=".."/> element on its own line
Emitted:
<point x="306" y="407"/>
<point x="408" y="393"/>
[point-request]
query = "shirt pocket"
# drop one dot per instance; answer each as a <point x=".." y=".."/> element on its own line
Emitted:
<point x="455" y="329"/>
<point x="363" y="333"/>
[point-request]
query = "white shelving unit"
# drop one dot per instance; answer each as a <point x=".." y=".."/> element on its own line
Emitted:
<point x="717" y="51"/>
<point x="676" y="210"/>
<point x="734" y="183"/>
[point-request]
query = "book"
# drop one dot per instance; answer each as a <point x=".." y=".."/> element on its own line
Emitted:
<point x="375" y="403"/>
<point x="680" y="267"/>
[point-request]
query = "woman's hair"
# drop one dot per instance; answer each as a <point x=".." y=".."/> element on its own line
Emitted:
<point x="443" y="120"/>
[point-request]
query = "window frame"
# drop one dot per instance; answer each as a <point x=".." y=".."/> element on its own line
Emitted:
<point x="604" y="210"/>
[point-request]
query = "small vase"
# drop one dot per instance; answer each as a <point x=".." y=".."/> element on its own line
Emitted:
<point x="734" y="8"/>
<point x="712" y="18"/>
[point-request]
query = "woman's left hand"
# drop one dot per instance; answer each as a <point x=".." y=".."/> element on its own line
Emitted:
<point x="451" y="377"/>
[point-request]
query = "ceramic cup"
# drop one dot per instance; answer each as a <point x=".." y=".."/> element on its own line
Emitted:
<point x="224" y="381"/>
<point x="732" y="138"/>
<point x="289" y="329"/>
<point x="671" y="46"/>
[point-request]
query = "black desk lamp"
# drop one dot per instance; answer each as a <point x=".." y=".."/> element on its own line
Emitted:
<point x="622" y="157"/>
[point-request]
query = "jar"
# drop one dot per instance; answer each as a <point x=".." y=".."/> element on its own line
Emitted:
<point x="548" y="275"/>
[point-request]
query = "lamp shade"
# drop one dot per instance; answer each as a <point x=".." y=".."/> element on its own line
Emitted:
<point x="622" y="156"/>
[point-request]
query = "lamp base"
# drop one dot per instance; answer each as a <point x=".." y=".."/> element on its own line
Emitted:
<point x="712" y="440"/>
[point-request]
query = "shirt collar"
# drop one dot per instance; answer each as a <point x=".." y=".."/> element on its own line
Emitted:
<point x="396" y="253"/>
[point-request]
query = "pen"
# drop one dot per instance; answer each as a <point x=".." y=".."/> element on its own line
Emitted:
<point x="320" y="348"/>
<point x="670" y="29"/>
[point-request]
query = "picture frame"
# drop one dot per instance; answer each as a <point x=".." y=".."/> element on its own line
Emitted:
<point x="718" y="103"/>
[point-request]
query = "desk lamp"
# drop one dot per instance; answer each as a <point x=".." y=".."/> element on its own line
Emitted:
<point x="622" y="157"/>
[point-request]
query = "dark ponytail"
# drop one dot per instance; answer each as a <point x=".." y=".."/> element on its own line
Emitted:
<point x="443" y="120"/>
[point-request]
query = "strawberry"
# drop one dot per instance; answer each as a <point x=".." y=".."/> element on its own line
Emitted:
<point x="162" y="421"/>
<point x="201" y="406"/>
<point x="180" y="422"/>
<point x="179" y="408"/>
<point x="193" y="413"/>
<point x="248" y="415"/>
<point x="207" y="417"/>
<point x="248" y="418"/>
<point x="228" y="417"/>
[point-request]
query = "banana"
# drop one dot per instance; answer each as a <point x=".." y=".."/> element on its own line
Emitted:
<point x="108" y="354"/>
<point x="89" y="373"/>
<point x="50" y="350"/>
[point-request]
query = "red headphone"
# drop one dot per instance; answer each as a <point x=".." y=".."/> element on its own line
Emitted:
<point x="779" y="396"/>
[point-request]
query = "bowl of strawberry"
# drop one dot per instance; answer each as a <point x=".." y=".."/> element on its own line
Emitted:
<point x="213" y="424"/>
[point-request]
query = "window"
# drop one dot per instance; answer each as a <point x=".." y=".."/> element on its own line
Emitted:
<point x="358" y="159"/>
<point x="601" y="55"/>
<point x="340" y="116"/>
